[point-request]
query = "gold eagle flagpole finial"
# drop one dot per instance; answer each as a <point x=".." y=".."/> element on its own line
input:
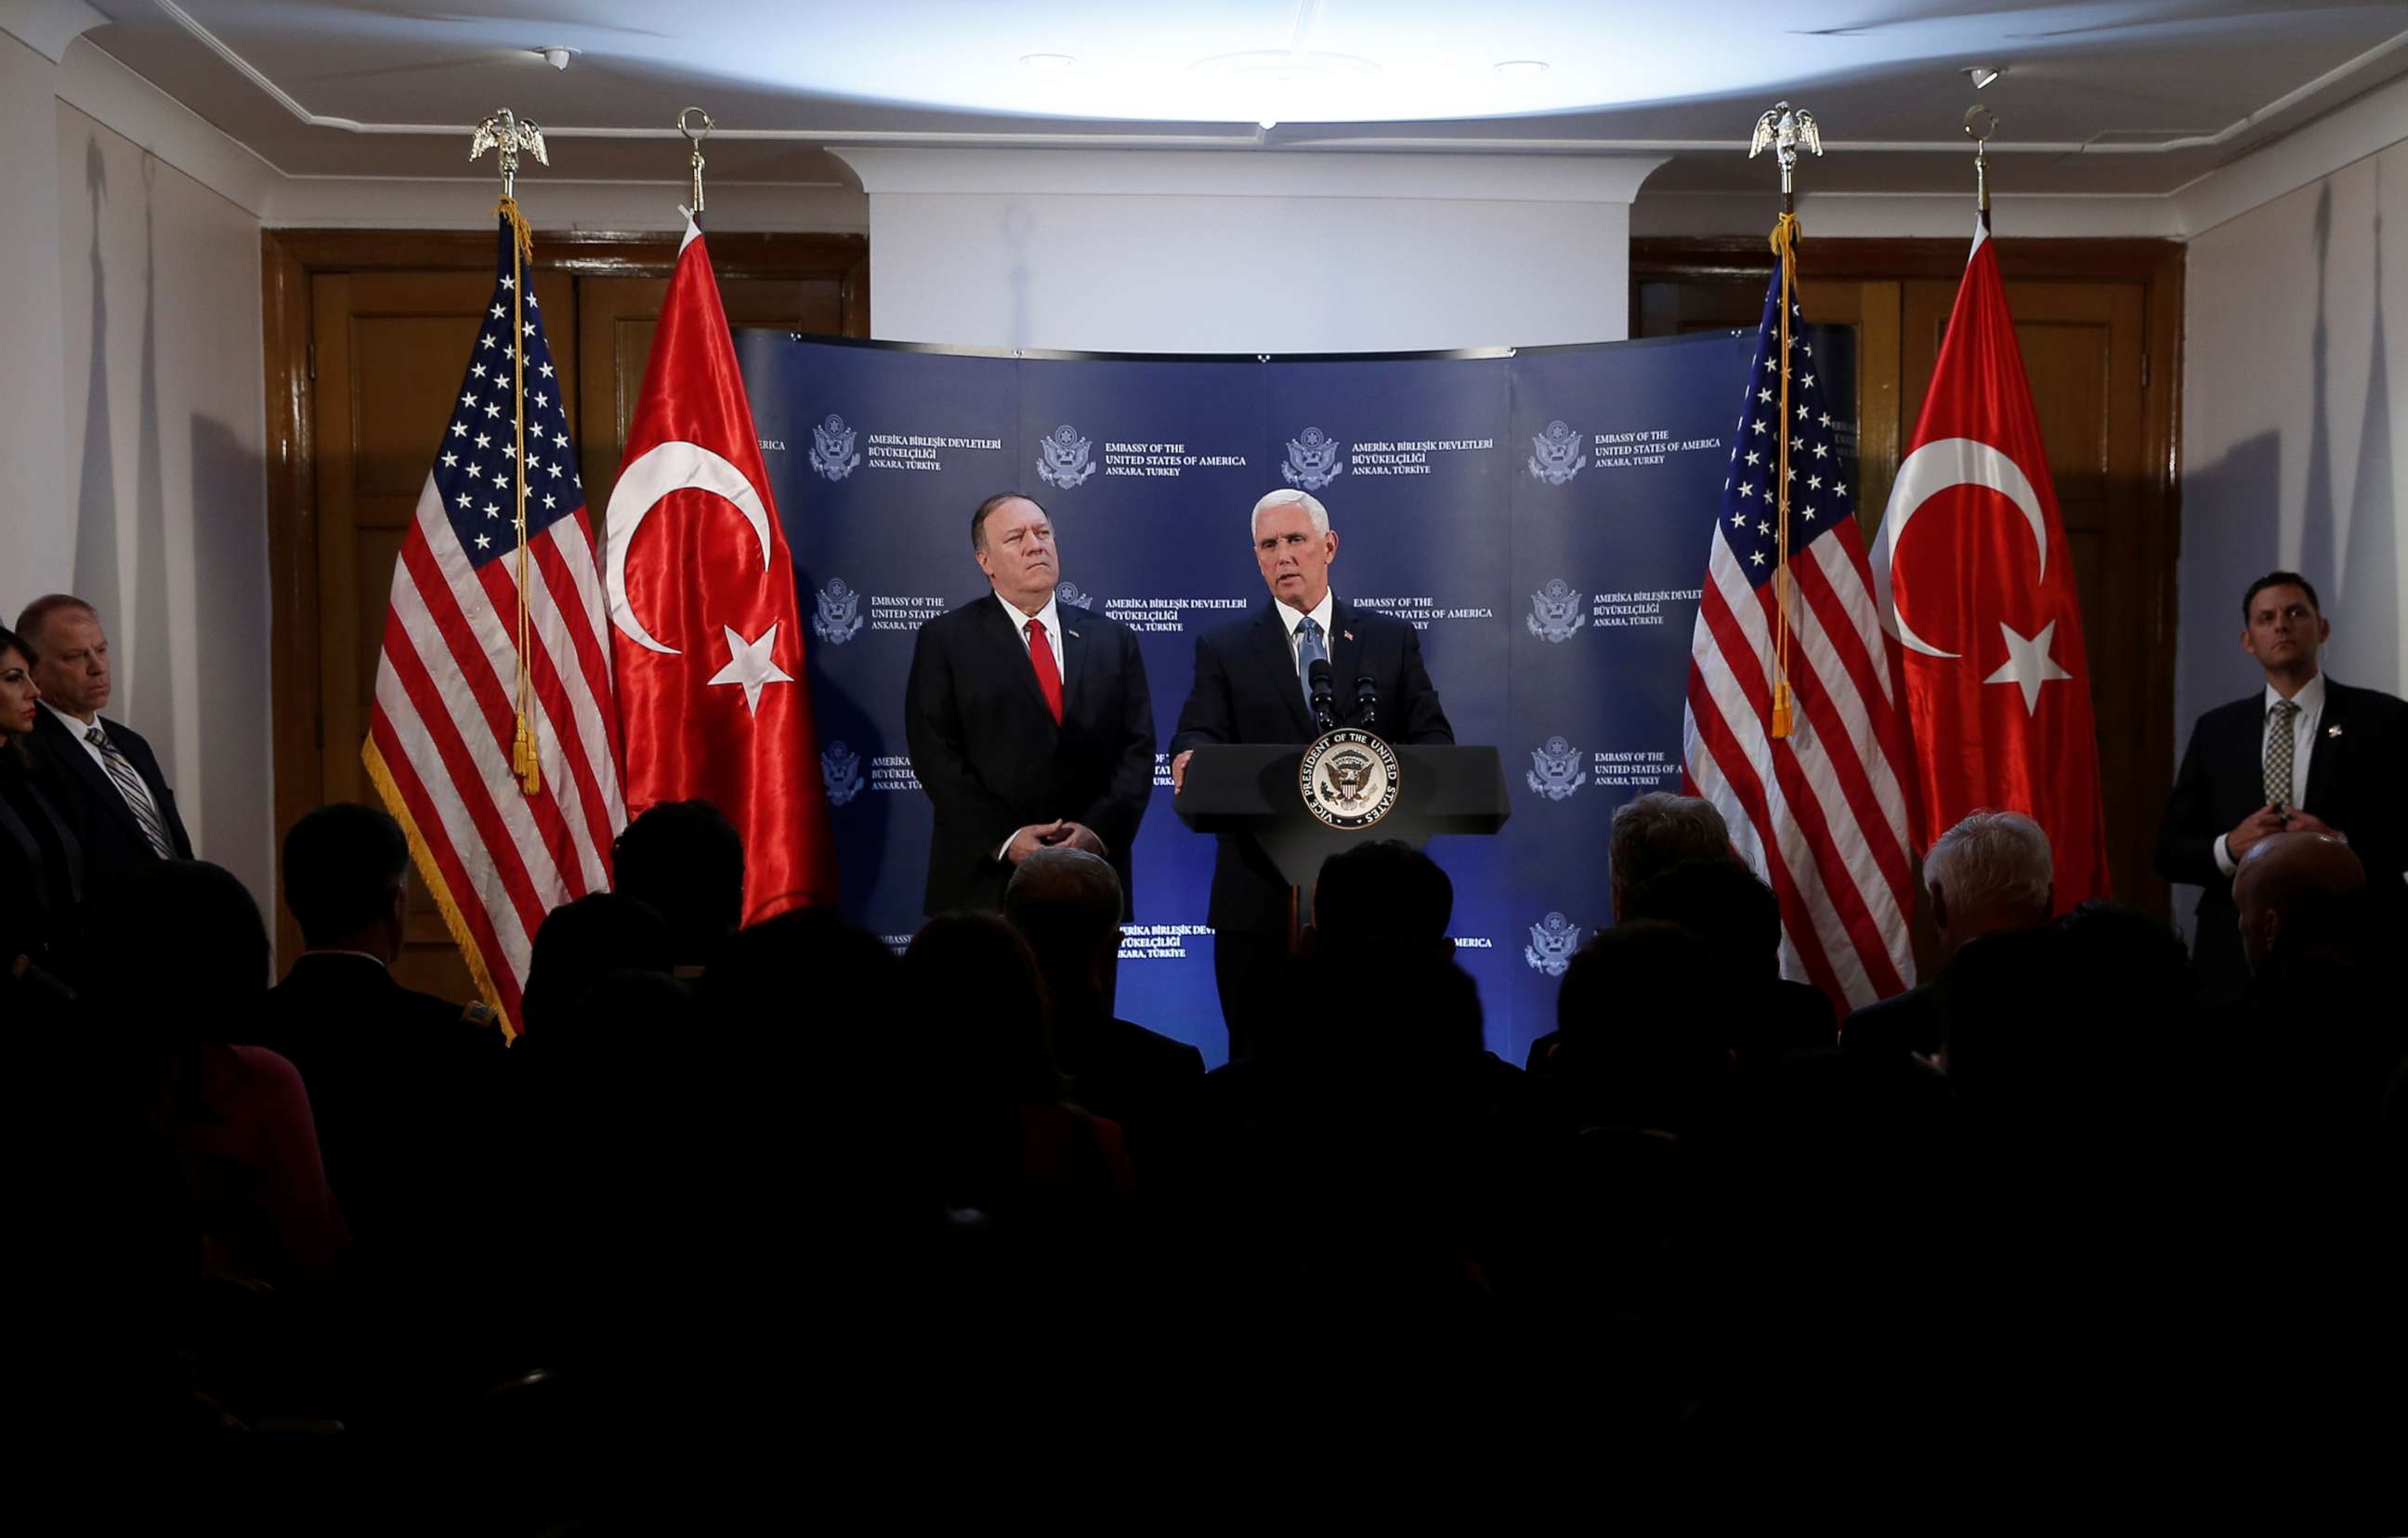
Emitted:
<point x="507" y="133"/>
<point x="1785" y="130"/>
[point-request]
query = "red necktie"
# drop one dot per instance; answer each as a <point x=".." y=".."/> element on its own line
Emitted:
<point x="1049" y="678"/>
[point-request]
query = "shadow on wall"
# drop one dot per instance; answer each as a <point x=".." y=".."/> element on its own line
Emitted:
<point x="2231" y="523"/>
<point x="2366" y="600"/>
<point x="96" y="556"/>
<point x="229" y="576"/>
<point x="153" y="620"/>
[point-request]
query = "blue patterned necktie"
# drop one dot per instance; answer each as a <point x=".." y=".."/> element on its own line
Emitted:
<point x="1309" y="650"/>
<point x="137" y="795"/>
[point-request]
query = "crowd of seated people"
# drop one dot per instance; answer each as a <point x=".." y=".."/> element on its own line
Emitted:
<point x="2041" y="1226"/>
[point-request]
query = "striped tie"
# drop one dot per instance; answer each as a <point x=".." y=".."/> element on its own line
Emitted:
<point x="2278" y="753"/>
<point x="137" y="793"/>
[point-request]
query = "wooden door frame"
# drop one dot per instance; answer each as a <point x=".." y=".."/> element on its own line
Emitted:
<point x="290" y="259"/>
<point x="2158" y="267"/>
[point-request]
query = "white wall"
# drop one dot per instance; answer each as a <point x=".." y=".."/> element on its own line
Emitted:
<point x="2294" y="427"/>
<point x="33" y="539"/>
<point x="162" y="522"/>
<point x="1236" y="252"/>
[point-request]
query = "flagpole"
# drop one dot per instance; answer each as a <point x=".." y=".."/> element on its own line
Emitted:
<point x="694" y="137"/>
<point x="1981" y="138"/>
<point x="507" y="133"/>
<point x="1783" y="130"/>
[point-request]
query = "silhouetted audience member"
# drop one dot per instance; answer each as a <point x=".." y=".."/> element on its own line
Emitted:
<point x="1990" y="873"/>
<point x="1066" y="904"/>
<point x="980" y="1066"/>
<point x="1383" y="891"/>
<point x="583" y="941"/>
<point x="41" y="862"/>
<point x="401" y="1084"/>
<point x="687" y="862"/>
<point x="1729" y="907"/>
<point x="179" y="967"/>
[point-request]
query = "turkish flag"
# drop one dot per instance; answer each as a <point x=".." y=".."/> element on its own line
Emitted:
<point x="1978" y="593"/>
<point x="707" y="636"/>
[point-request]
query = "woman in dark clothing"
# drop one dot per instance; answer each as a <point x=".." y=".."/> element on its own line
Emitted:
<point x="41" y="869"/>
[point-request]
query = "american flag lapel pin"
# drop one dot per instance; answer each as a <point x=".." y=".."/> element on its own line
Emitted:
<point x="2333" y="731"/>
<point x="1348" y="634"/>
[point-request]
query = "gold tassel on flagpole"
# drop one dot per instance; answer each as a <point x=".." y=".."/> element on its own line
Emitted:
<point x="509" y="133"/>
<point x="1784" y="132"/>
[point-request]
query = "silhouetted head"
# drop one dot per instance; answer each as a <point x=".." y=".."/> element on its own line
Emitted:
<point x="1638" y="1016"/>
<point x="583" y="941"/>
<point x="1723" y="903"/>
<point x="347" y="879"/>
<point x="1066" y="904"/>
<point x="687" y="861"/>
<point x="2300" y="897"/>
<point x="1384" y="891"/>
<point x="1655" y="832"/>
<point x="1992" y="871"/>
<point x="978" y="1011"/>
<point x="179" y="954"/>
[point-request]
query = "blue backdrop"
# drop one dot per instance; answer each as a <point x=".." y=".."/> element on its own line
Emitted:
<point x="1541" y="517"/>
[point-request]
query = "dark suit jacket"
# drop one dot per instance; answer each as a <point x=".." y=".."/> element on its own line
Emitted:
<point x="2356" y="777"/>
<point x="41" y="863"/>
<point x="404" y="1089"/>
<point x="1906" y="1022"/>
<point x="1246" y="691"/>
<point x="1144" y="1081"/>
<point x="105" y="826"/>
<point x="990" y="757"/>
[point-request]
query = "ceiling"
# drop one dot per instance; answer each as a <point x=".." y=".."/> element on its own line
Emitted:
<point x="2099" y="96"/>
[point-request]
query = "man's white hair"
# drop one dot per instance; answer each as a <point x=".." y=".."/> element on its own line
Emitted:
<point x="1289" y="497"/>
<point x="1992" y="859"/>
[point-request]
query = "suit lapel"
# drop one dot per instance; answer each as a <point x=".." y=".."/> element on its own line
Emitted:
<point x="2325" y="751"/>
<point x="1270" y="645"/>
<point x="1345" y="657"/>
<point x="1014" y="650"/>
<point x="1074" y="662"/>
<point x="95" y="779"/>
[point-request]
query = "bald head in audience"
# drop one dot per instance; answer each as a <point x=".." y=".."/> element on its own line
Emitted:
<point x="2299" y="895"/>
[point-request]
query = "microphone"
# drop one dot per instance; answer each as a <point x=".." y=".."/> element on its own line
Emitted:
<point x="1367" y="701"/>
<point x="1324" y="706"/>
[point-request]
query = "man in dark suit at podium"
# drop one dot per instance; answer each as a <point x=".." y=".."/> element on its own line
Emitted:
<point x="2304" y="754"/>
<point x="1252" y="685"/>
<point x="123" y="813"/>
<point x="1029" y="729"/>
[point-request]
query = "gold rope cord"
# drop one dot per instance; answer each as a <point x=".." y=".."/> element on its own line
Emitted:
<point x="525" y="761"/>
<point x="1785" y="246"/>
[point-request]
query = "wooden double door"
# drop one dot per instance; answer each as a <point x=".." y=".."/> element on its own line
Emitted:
<point x="2099" y="325"/>
<point x="368" y="333"/>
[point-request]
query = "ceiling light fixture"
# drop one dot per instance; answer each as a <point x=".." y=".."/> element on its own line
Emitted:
<point x="1046" y="63"/>
<point x="1981" y="75"/>
<point x="1520" y="67"/>
<point x="556" y="56"/>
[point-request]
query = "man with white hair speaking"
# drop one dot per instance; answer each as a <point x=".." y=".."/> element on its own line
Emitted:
<point x="1253" y="684"/>
<point x="1988" y="874"/>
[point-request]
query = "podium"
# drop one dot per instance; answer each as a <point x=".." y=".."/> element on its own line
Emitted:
<point x="1252" y="790"/>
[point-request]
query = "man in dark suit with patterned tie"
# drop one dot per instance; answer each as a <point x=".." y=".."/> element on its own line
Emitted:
<point x="1252" y="686"/>
<point x="2307" y="754"/>
<point x="1029" y="727"/>
<point x="123" y="811"/>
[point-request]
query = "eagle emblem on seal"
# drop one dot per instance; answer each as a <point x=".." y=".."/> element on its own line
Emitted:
<point x="1063" y="459"/>
<point x="1555" y="456"/>
<point x="832" y="453"/>
<point x="1555" y="770"/>
<point x="1556" y="611"/>
<point x="1553" y="941"/>
<point x="1312" y="460"/>
<point x="839" y="619"/>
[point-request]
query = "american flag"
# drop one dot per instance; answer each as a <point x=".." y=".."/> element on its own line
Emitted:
<point x="440" y="742"/>
<point x="1819" y="814"/>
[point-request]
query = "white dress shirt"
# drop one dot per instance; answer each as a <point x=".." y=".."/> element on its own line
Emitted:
<point x="2311" y="701"/>
<point x="1049" y="616"/>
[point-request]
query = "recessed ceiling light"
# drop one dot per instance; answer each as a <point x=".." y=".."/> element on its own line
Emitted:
<point x="1047" y="63"/>
<point x="1520" y="67"/>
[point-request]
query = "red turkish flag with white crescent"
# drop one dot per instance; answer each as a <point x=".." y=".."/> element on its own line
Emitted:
<point x="1978" y="591"/>
<point x="707" y="636"/>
